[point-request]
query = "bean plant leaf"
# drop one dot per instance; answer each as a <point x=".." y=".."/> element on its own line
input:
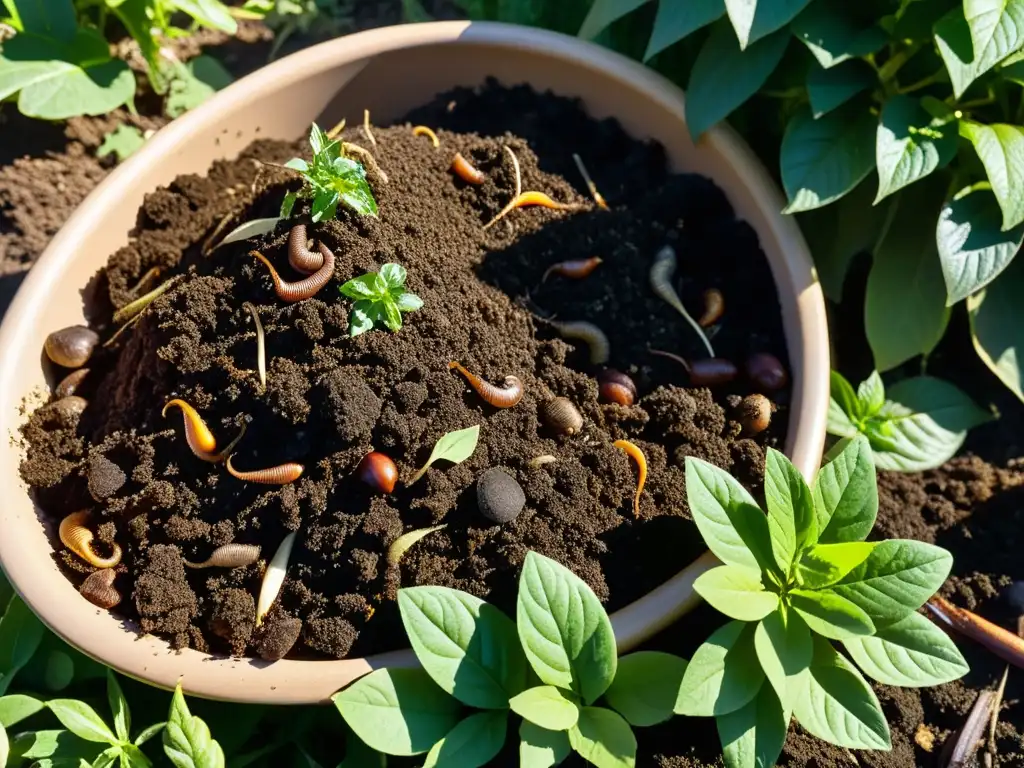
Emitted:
<point x="5" y="746"/>
<point x="825" y="564"/>
<point x="393" y="276"/>
<point x="831" y="88"/>
<point x="833" y="36"/>
<point x="783" y="645"/>
<point x="54" y="18"/>
<point x="845" y="495"/>
<point x="645" y="687"/>
<point x="723" y="674"/>
<point x="603" y="738"/>
<point x="675" y="21"/>
<point x="752" y="736"/>
<point x="123" y="142"/>
<point x="20" y="635"/>
<point x="844" y="410"/>
<point x="454" y="447"/>
<point x="830" y="614"/>
<point x="186" y="738"/>
<point x="119" y="707"/>
<point x="564" y="629"/>
<point x="964" y="61"/>
<point x="604" y="12"/>
<point x="791" y="521"/>
<point x="911" y="653"/>
<point x="541" y="748"/>
<point x="1000" y="148"/>
<point x="82" y="720"/>
<point x="973" y="249"/>
<point x="408" y="302"/>
<point x="754" y="19"/>
<point x="910" y="144"/>
<point x="871" y="394"/>
<point x="17" y="707"/>
<point x="196" y="80"/>
<point x="997" y="326"/>
<point x="473" y="742"/>
<point x="736" y="592"/>
<point x="209" y="13"/>
<point x="545" y="706"/>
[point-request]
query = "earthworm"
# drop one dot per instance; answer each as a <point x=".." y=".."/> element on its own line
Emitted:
<point x="261" y="344"/>
<point x="531" y="198"/>
<point x="198" y="436"/>
<point x="98" y="588"/>
<point x="422" y="130"/>
<point x="1001" y="642"/>
<point x="282" y="474"/>
<point x="466" y="171"/>
<point x="595" y="338"/>
<point x="366" y="128"/>
<point x="70" y="383"/>
<point x="576" y="269"/>
<point x="299" y="256"/>
<point x="540" y="461"/>
<point x="229" y="556"/>
<point x="76" y="537"/>
<point x="130" y="310"/>
<point x="590" y="183"/>
<point x="641" y="462"/>
<point x="714" y="307"/>
<point x="661" y="283"/>
<point x="273" y="578"/>
<point x="304" y="289"/>
<point x="500" y="397"/>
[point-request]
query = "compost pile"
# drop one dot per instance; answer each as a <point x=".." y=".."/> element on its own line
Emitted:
<point x="330" y="398"/>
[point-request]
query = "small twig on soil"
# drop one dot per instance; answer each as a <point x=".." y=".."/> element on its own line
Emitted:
<point x="366" y="128"/>
<point x="670" y="356"/>
<point x="971" y="735"/>
<point x="1002" y="643"/>
<point x="333" y="133"/>
<point x="367" y="158"/>
<point x="151" y="273"/>
<point x="992" y="752"/>
<point x="598" y="198"/>
<point x="130" y="310"/>
<point x="121" y="330"/>
<point x="519" y="176"/>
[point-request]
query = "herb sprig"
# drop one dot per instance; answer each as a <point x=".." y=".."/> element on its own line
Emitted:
<point x="329" y="179"/>
<point x="380" y="298"/>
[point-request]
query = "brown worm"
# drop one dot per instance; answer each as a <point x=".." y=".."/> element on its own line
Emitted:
<point x="500" y="397"/>
<point x="1001" y="642"/>
<point x="228" y="556"/>
<point x="282" y="474"/>
<point x="714" y="307"/>
<point x="465" y="170"/>
<point x="304" y="289"/>
<point x="299" y="256"/>
<point x="594" y="337"/>
<point x="76" y="537"/>
<point x="198" y="436"/>
<point x="576" y="269"/>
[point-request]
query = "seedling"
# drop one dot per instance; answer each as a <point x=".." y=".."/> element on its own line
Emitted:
<point x="794" y="580"/>
<point x="381" y="298"/>
<point x="474" y="655"/>
<point x="329" y="179"/>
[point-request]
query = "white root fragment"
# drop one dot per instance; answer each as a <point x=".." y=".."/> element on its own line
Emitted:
<point x="402" y="543"/>
<point x="366" y="128"/>
<point x="662" y="270"/>
<point x="598" y="198"/>
<point x="261" y="348"/>
<point x="540" y="461"/>
<point x="274" y="577"/>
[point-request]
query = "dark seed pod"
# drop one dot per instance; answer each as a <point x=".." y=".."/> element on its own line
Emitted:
<point x="71" y="347"/>
<point x="709" y="371"/>
<point x="70" y="383"/>
<point x="499" y="496"/>
<point x="766" y="371"/>
<point x="561" y="415"/>
<point x="755" y="414"/>
<point x="71" y="406"/>
<point x="98" y="589"/>
<point x="378" y="471"/>
<point x="278" y="638"/>
<point x="616" y="387"/>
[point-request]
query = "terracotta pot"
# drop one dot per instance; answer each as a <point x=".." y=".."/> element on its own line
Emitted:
<point x="387" y="71"/>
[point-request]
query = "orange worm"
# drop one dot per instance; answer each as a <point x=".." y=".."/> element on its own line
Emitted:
<point x="576" y="269"/>
<point x="304" y="289"/>
<point x="299" y="256"/>
<point x="465" y="170"/>
<point x="499" y="397"/>
<point x="714" y="307"/>
<point x="198" y="436"/>
<point x="422" y="130"/>
<point x="1003" y="643"/>
<point x="76" y="537"/>
<point x="282" y="474"/>
<point x="531" y="198"/>
<point x="641" y="462"/>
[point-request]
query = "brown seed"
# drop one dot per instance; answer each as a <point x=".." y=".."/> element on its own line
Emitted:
<point x="755" y="414"/>
<point x="709" y="371"/>
<point x="71" y="406"/>
<point x="98" y="589"/>
<point x="70" y="383"/>
<point x="71" y="347"/>
<point x="378" y="471"/>
<point x="766" y="371"/>
<point x="616" y="387"/>
<point x="714" y="307"/>
<point x="561" y="415"/>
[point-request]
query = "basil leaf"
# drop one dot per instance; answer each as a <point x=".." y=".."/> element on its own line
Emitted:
<point x="81" y="720"/>
<point x="723" y="674"/>
<point x="675" y="21"/>
<point x="119" y="707"/>
<point x="148" y="733"/>
<point x="736" y="592"/>
<point x="825" y="564"/>
<point x="845" y="494"/>
<point x="564" y="630"/>
<point x="455" y="447"/>
<point x="186" y="738"/>
<point x="362" y="287"/>
<point x="604" y="12"/>
<point x="997" y="326"/>
<point x="752" y="737"/>
<point x="408" y="302"/>
<point x="871" y="395"/>
<point x="472" y="743"/>
<point x="645" y="687"/>
<point x="545" y="706"/>
<point x="392" y="317"/>
<point x="540" y="748"/>
<point x="910" y="144"/>
<point x="18" y="707"/>
<point x="753" y="19"/>
<point x="911" y="653"/>
<point x="843" y="408"/>
<point x="783" y="645"/>
<point x="325" y="206"/>
<point x="830" y="614"/>
<point x="353" y="189"/>
<point x="394" y="275"/>
<point x="1000" y="148"/>
<point x="791" y="521"/>
<point x="832" y="35"/>
<point x="603" y="738"/>
<point x="828" y="89"/>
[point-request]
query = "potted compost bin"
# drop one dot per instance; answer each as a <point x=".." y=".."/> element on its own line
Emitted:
<point x="466" y="363"/>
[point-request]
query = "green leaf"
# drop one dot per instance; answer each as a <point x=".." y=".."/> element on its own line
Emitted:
<point x="394" y="275"/>
<point x="911" y="653"/>
<point x="831" y="88"/>
<point x="972" y="247"/>
<point x="782" y="642"/>
<point x="675" y="21"/>
<point x="209" y="13"/>
<point x="728" y="518"/>
<point x="837" y="705"/>
<point x="545" y="706"/>
<point x="196" y="81"/>
<point x="924" y="422"/>
<point x="825" y="564"/>
<point x="123" y="142"/>
<point x="997" y="326"/>
<point x="843" y="409"/>
<point x="830" y="614"/>
<point x="905" y="311"/>
<point x="604" y="12"/>
<point x="454" y="447"/>
<point x="392" y="317"/>
<point x="397" y="711"/>
<point x="824" y="159"/>
<point x="540" y="748"/>
<point x="20" y="634"/>
<point x="297" y="164"/>
<point x="753" y="19"/>
<point x="325" y="206"/>
<point x="470" y="744"/>
<point x="791" y="521"/>
<point x="186" y="738"/>
<point x="996" y="22"/>
<point x="832" y="36"/>
<point x="963" y="61"/>
<point x="604" y="739"/>
<point x="723" y="674"/>
<point x="896" y="579"/>
<point x="408" y="302"/>
<point x="250" y="229"/>
<point x="845" y="495"/>
<point x="81" y="720"/>
<point x="752" y="736"/>
<point x="645" y="687"/>
<point x="362" y="287"/>
<point x="5" y="746"/>
<point x="135" y="756"/>
<point x="108" y="758"/>
<point x="18" y="707"/>
<point x="468" y="647"/>
<point x="54" y="19"/>
<point x="353" y="189"/>
<point x="365" y="313"/>
<point x="148" y="733"/>
<point x="564" y="630"/>
<point x="1000" y="148"/>
<point x="318" y="140"/>
<point x="137" y="17"/>
<point x="52" y="746"/>
<point x="736" y="592"/>
<point x="910" y="144"/>
<point x="119" y="708"/>
<point x="287" y="204"/>
<point x="871" y="394"/>
<point x="723" y="76"/>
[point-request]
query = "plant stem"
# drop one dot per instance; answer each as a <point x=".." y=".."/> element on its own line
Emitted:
<point x="789" y="93"/>
<point x="924" y="82"/>
<point x="888" y="70"/>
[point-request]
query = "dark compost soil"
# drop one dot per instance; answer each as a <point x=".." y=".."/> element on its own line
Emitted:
<point x="330" y="398"/>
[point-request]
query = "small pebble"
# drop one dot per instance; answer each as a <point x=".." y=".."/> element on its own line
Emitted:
<point x="766" y="372"/>
<point x="279" y="635"/>
<point x="499" y="496"/>
<point x="71" y="347"/>
<point x="105" y="477"/>
<point x="1015" y="595"/>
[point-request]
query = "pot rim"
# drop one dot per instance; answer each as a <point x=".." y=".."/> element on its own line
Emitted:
<point x="301" y="682"/>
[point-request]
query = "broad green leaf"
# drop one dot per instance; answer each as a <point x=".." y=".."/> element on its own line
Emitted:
<point x="564" y="629"/>
<point x="108" y="758"/>
<point x="924" y="422"/>
<point x="408" y="302"/>
<point x="57" y="745"/>
<point x="604" y="12"/>
<point x="837" y="705"/>
<point x="472" y="743"/>
<point x="393" y="275"/>
<point x="5" y="746"/>
<point x="645" y="687"/>
<point x="831" y="615"/>
<point x="910" y="144"/>
<point x="209" y="13"/>
<point x="871" y="394"/>
<point x="195" y="81"/>
<point x="137" y="18"/>
<point x="997" y="326"/>
<point x="824" y="159"/>
<point x="754" y="19"/>
<point x="53" y="19"/>
<point x="791" y="521"/>
<point x="736" y="592"/>
<point x="454" y="447"/>
<point x="964" y="62"/>
<point x="723" y="76"/>
<point x="999" y="23"/>
<point x="911" y="653"/>
<point x="972" y="247"/>
<point x="297" y="164"/>
<point x="723" y="674"/>
<point x="186" y="738"/>
<point x="325" y="206"/>
<point x="603" y="738"/>
<point x="830" y="33"/>
<point x="362" y="287"/>
<point x="81" y="720"/>
<point x="782" y="642"/>
<point x="845" y="495"/>
<point x="352" y="187"/>
<point x="136" y="757"/>
<point x="392" y="317"/>
<point x="148" y="733"/>
<point x="843" y="410"/>
<point x="1000" y="148"/>
<point x="469" y="648"/>
<point x="545" y="706"/>
<point x="398" y="711"/>
<point x="18" y="707"/>
<point x="20" y="634"/>
<point x="831" y="88"/>
<point x="896" y="579"/>
<point x="905" y="311"/>
<point x="540" y="748"/>
<point x="824" y="564"/>
<point x="123" y="142"/>
<point x="119" y="708"/>
<point x="365" y="314"/>
<point x="675" y="21"/>
<point x="728" y="518"/>
<point x="752" y="737"/>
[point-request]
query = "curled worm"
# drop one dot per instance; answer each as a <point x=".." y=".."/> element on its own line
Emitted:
<point x="530" y="198"/>
<point x="500" y="397"/>
<point x="466" y="171"/>
<point x="576" y="269"/>
<point x="641" y="462"/>
<point x="282" y="474"/>
<point x="422" y="130"/>
<point x="299" y="256"/>
<point x="229" y="556"/>
<point x="198" y="436"/>
<point x="76" y="537"/>
<point x="661" y="283"/>
<point x="304" y="289"/>
<point x="595" y="338"/>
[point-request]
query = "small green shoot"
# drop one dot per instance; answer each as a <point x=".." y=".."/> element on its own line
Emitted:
<point x="455" y="447"/>
<point x="329" y="179"/>
<point x="380" y="298"/>
<point x="123" y="141"/>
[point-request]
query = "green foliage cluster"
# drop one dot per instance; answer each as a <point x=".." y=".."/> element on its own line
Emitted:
<point x="380" y="299"/>
<point x="328" y="179"/>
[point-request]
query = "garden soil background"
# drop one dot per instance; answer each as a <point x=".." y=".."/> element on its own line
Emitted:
<point x="974" y="505"/>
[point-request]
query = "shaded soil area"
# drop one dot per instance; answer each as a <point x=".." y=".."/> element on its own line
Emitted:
<point x="330" y="398"/>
